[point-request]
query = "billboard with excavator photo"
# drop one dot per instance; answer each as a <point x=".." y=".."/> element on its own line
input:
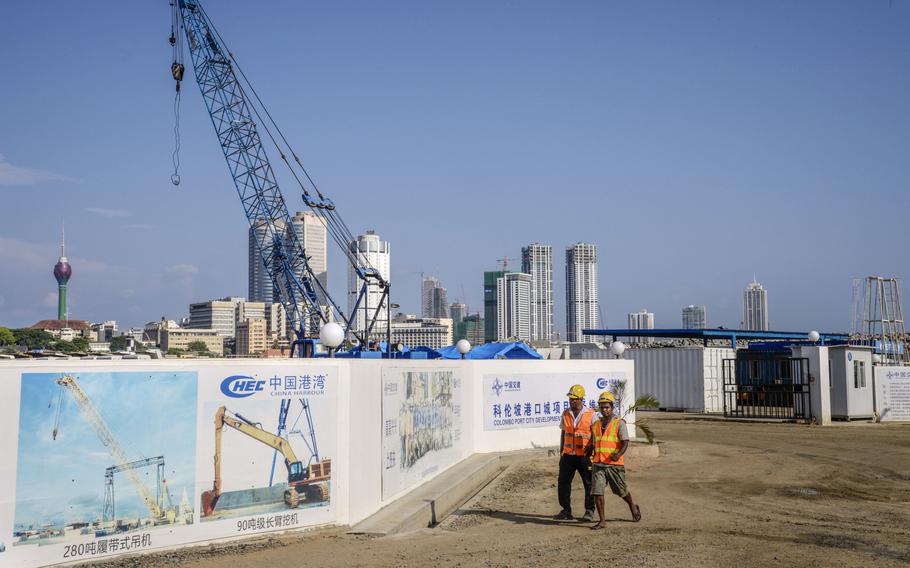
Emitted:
<point x="265" y="449"/>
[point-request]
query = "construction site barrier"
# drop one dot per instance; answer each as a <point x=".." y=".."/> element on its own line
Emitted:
<point x="106" y="458"/>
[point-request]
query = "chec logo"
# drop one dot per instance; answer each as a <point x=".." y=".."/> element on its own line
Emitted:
<point x="497" y="386"/>
<point x="602" y="383"/>
<point x="241" y="386"/>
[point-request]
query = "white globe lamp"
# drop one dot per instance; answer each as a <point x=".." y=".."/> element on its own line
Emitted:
<point x="814" y="336"/>
<point x="331" y="335"/>
<point x="618" y="348"/>
<point x="463" y="346"/>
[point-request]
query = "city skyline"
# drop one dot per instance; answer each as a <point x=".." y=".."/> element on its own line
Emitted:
<point x="813" y="144"/>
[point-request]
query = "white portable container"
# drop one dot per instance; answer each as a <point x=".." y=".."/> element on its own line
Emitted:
<point x="850" y="370"/>
<point x="682" y="378"/>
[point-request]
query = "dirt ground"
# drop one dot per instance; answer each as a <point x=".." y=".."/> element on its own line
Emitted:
<point x="720" y="494"/>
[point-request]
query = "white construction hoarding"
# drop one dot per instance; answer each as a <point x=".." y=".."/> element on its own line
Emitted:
<point x="892" y="393"/>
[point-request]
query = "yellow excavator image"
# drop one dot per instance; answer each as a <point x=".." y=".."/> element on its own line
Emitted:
<point x="305" y="483"/>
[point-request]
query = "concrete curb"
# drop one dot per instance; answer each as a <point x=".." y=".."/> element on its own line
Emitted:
<point x="429" y="504"/>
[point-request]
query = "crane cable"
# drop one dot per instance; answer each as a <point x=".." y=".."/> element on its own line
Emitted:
<point x="177" y="69"/>
<point x="339" y="230"/>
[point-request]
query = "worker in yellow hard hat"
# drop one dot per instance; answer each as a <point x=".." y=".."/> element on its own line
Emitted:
<point x="611" y="440"/>
<point x="575" y="455"/>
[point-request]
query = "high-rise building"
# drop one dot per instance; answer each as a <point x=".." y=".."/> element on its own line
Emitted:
<point x="694" y="317"/>
<point x="310" y="233"/>
<point x="62" y="272"/>
<point x="490" y="320"/>
<point x="458" y="311"/>
<point x="261" y="288"/>
<point x="513" y="307"/>
<point x="581" y="291"/>
<point x="755" y="307"/>
<point x="642" y="320"/>
<point x="472" y="329"/>
<point x="369" y="251"/>
<point x="433" y="303"/>
<point x="537" y="260"/>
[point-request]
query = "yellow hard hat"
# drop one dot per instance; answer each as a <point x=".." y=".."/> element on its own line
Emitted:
<point x="606" y="397"/>
<point x="577" y="391"/>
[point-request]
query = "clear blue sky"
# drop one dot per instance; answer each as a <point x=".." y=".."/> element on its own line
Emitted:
<point x="695" y="143"/>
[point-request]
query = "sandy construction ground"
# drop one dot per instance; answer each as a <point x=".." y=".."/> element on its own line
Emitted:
<point x="720" y="494"/>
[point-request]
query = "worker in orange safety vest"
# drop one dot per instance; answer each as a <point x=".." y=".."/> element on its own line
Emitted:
<point x="577" y="447"/>
<point x="611" y="440"/>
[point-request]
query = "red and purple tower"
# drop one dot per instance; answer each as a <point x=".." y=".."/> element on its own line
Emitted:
<point x="62" y="272"/>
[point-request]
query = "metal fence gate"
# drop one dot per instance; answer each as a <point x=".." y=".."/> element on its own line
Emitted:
<point x="767" y="388"/>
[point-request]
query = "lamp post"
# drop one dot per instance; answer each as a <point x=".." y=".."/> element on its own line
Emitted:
<point x="463" y="346"/>
<point x="331" y="335"/>
<point x="814" y="336"/>
<point x="617" y="348"/>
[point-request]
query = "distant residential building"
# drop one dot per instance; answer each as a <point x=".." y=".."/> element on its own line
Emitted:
<point x="370" y="252"/>
<point x="154" y="330"/>
<point x="220" y="315"/>
<point x="490" y="319"/>
<point x="181" y="339"/>
<point x="513" y="307"/>
<point x="755" y="307"/>
<point x="65" y="329"/>
<point x="457" y="312"/>
<point x="104" y="331"/>
<point x="537" y="260"/>
<point x="276" y="323"/>
<point x="694" y="317"/>
<point x="433" y="302"/>
<point x="581" y="291"/>
<point x="414" y="331"/>
<point x="641" y="320"/>
<point x="252" y="337"/>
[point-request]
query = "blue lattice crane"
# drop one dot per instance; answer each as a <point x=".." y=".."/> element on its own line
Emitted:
<point x="238" y="115"/>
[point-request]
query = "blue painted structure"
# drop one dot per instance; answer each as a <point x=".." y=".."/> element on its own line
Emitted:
<point x="731" y="335"/>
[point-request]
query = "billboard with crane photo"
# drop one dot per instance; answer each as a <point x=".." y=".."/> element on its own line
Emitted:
<point x="90" y="466"/>
<point x="266" y="443"/>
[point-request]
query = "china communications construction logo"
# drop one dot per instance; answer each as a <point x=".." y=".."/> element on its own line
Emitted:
<point x="241" y="386"/>
<point x="602" y="383"/>
<point x="497" y="386"/>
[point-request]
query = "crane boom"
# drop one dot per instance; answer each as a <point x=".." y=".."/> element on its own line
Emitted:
<point x="234" y="116"/>
<point x="96" y="421"/>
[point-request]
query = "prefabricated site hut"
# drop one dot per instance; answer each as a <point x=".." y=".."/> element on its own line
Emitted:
<point x="690" y="378"/>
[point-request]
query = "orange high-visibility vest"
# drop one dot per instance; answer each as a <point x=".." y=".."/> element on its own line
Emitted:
<point x="607" y="442"/>
<point x="575" y="441"/>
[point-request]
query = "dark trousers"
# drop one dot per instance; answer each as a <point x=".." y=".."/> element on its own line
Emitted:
<point x="568" y="465"/>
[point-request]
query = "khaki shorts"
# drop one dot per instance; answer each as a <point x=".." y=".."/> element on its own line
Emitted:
<point x="614" y="475"/>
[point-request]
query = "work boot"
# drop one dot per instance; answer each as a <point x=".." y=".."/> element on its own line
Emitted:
<point x="563" y="516"/>
<point x="589" y="515"/>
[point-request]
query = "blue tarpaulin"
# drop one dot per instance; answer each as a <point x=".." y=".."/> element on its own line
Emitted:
<point x="517" y="350"/>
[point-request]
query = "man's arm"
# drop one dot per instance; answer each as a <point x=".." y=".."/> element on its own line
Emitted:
<point x="623" y="439"/>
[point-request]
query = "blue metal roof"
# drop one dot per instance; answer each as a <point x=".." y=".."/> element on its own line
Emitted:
<point x="716" y="333"/>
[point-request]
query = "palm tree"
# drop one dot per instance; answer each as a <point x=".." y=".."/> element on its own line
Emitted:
<point x="618" y="389"/>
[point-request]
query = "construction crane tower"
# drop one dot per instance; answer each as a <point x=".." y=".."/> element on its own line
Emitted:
<point x="96" y="421"/>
